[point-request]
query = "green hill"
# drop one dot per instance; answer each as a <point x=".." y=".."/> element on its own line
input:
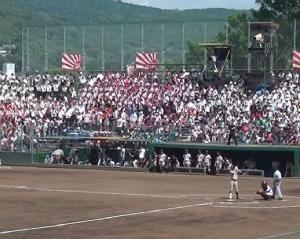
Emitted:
<point x="93" y="13"/>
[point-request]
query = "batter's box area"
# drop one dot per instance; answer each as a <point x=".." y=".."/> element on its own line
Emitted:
<point x="78" y="203"/>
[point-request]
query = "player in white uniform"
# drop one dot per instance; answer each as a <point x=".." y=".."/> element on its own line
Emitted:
<point x="187" y="159"/>
<point x="142" y="153"/>
<point x="227" y="163"/>
<point x="277" y="185"/>
<point x="207" y="162"/>
<point x="218" y="162"/>
<point x="200" y="159"/>
<point x="162" y="160"/>
<point x="266" y="192"/>
<point x="234" y="176"/>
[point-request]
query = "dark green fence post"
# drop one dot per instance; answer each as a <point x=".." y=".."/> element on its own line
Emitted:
<point x="296" y="162"/>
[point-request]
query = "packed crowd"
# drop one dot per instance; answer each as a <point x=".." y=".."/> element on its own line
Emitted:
<point x="45" y="105"/>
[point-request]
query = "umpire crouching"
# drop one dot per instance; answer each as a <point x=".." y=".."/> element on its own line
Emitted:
<point x="232" y="135"/>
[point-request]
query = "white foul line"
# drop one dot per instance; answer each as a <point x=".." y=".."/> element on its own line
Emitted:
<point x="94" y="192"/>
<point x="180" y="196"/>
<point x="279" y="235"/>
<point x="103" y="218"/>
<point x="263" y="207"/>
<point x="106" y="193"/>
<point x="239" y="203"/>
<point x="292" y="197"/>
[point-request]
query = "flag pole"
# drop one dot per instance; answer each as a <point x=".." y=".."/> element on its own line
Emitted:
<point x="122" y="48"/>
<point x="295" y="34"/>
<point x="142" y="37"/>
<point x="83" y="48"/>
<point x="27" y="50"/>
<point x="183" y="45"/>
<point x="23" y="58"/>
<point x="64" y="39"/>
<point x="102" y="49"/>
<point x="46" y="48"/>
<point x="162" y="51"/>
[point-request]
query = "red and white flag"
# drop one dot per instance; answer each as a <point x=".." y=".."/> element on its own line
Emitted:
<point x="296" y="60"/>
<point x="146" y="61"/>
<point x="71" y="61"/>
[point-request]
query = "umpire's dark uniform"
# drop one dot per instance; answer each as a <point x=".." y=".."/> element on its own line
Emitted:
<point x="232" y="134"/>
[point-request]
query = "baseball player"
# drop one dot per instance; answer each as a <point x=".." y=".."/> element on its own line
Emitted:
<point x="142" y="152"/>
<point x="266" y="192"/>
<point x="207" y="162"/>
<point x="200" y="159"/>
<point x="155" y="160"/>
<point x="187" y="159"/>
<point x="277" y="184"/>
<point x="227" y="163"/>
<point x="234" y="176"/>
<point x="135" y="158"/>
<point x="218" y="163"/>
<point x="174" y="162"/>
<point x="162" y="161"/>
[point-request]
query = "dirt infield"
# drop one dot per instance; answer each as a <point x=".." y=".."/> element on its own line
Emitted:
<point x="76" y="203"/>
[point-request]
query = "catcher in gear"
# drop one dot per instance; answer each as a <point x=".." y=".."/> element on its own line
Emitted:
<point x="266" y="192"/>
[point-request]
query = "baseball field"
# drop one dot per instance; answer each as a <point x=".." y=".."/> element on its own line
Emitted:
<point x="79" y="203"/>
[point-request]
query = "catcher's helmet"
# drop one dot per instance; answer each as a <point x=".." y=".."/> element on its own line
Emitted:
<point x="264" y="184"/>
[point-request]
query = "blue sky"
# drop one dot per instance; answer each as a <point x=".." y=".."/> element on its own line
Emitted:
<point x="189" y="4"/>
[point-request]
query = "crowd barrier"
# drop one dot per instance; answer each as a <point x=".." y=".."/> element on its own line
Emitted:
<point x="68" y="166"/>
<point x="16" y="158"/>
